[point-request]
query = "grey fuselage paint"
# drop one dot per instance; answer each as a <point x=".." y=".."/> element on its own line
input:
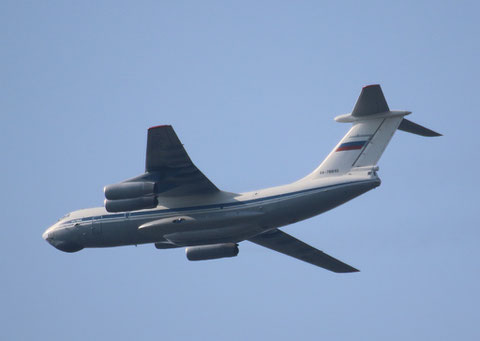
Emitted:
<point x="227" y="220"/>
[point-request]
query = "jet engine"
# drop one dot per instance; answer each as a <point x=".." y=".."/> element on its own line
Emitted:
<point x="130" y="196"/>
<point x="212" y="251"/>
<point x="130" y="204"/>
<point x="128" y="190"/>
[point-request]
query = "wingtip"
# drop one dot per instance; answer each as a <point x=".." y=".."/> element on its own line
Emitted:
<point x="160" y="126"/>
<point x="370" y="86"/>
<point x="345" y="270"/>
<point x="352" y="270"/>
<point x="432" y="133"/>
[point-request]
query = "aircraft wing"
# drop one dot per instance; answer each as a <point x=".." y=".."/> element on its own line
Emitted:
<point x="169" y="172"/>
<point x="290" y="246"/>
<point x="168" y="164"/>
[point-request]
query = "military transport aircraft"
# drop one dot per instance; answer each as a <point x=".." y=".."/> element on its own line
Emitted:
<point x="174" y="205"/>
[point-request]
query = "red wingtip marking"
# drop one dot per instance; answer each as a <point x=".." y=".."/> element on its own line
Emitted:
<point x="160" y="126"/>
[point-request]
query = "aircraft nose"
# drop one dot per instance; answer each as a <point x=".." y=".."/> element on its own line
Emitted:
<point x="45" y="235"/>
<point x="48" y="234"/>
<point x="62" y="239"/>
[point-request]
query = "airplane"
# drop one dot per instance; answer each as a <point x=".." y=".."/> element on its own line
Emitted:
<point x="173" y="204"/>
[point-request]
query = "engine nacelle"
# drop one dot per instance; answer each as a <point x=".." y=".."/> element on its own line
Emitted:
<point x="129" y="190"/>
<point x="130" y="204"/>
<point x="213" y="251"/>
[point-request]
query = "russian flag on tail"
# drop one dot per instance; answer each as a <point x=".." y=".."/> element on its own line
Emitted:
<point x="351" y="146"/>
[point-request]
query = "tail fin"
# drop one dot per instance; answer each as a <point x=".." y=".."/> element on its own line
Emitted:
<point x="373" y="126"/>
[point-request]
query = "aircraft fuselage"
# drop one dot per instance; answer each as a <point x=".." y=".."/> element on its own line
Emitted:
<point x="220" y="218"/>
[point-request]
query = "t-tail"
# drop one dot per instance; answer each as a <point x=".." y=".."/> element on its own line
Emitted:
<point x="373" y="126"/>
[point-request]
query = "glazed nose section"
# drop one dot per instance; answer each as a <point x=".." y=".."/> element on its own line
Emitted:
<point x="62" y="239"/>
<point x="48" y="234"/>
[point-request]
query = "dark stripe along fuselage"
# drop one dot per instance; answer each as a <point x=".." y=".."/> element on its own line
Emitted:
<point x="270" y="212"/>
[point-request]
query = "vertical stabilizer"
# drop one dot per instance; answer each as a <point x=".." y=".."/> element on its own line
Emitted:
<point x="373" y="126"/>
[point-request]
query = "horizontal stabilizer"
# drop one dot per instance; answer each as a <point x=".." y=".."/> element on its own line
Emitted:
<point x="290" y="246"/>
<point x="414" y="128"/>
<point x="371" y="101"/>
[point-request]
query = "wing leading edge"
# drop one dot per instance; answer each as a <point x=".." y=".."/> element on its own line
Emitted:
<point x="290" y="246"/>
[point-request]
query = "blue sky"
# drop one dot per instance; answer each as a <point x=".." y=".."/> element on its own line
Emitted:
<point x="251" y="89"/>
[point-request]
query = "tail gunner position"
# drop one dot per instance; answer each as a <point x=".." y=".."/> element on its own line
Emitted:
<point x="174" y="205"/>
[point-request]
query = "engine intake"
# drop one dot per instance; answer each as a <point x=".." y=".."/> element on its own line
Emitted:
<point x="212" y="251"/>
<point x="129" y="190"/>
